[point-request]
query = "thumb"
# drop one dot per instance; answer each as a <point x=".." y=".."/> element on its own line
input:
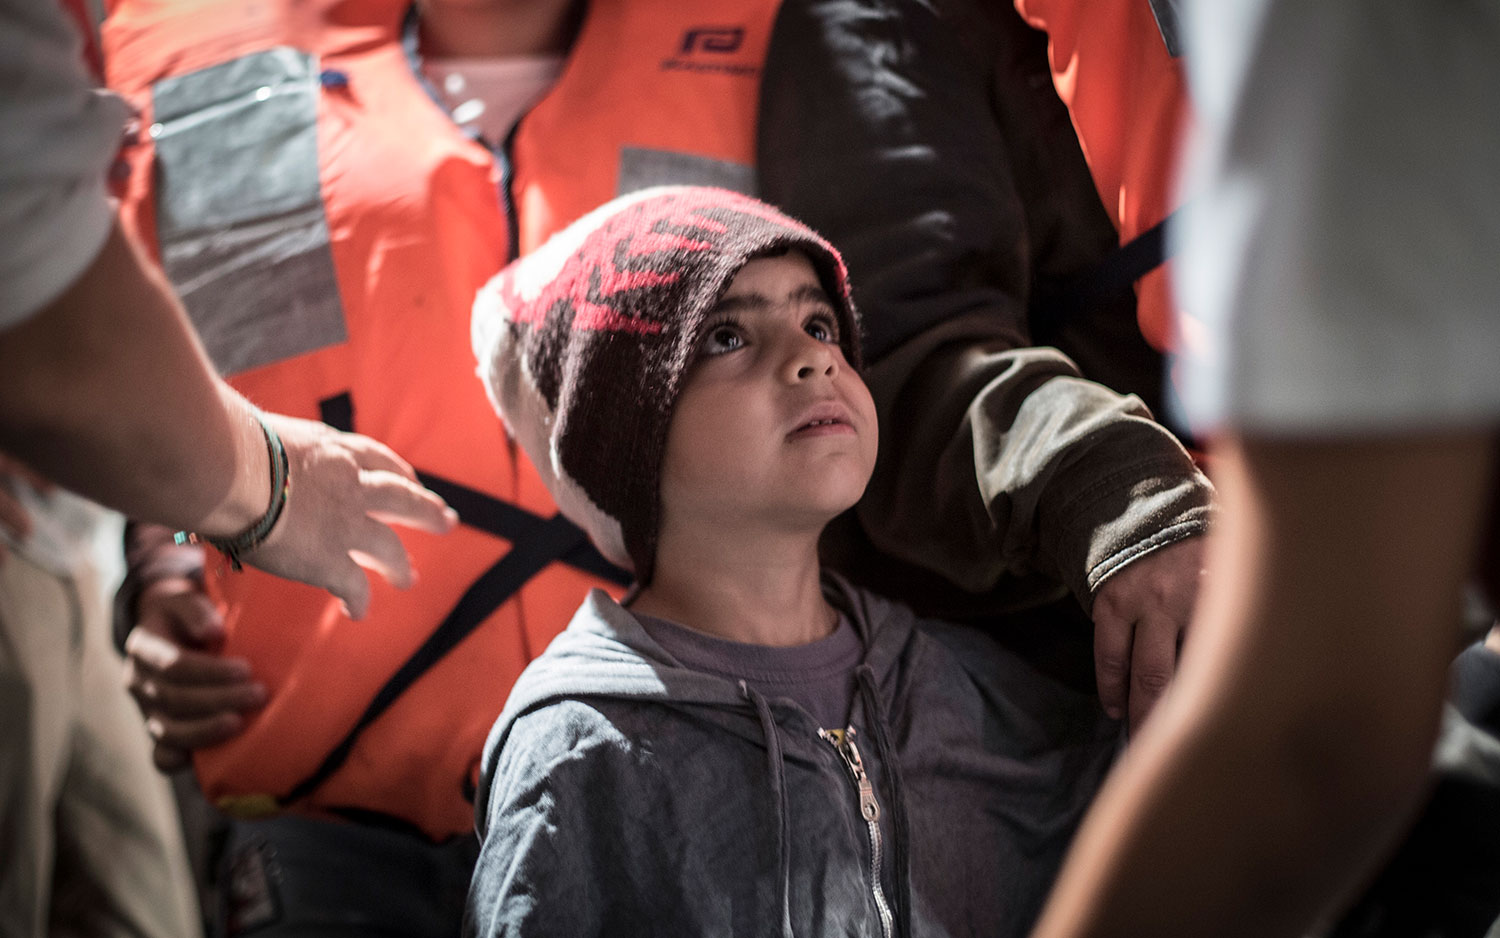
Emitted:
<point x="350" y="584"/>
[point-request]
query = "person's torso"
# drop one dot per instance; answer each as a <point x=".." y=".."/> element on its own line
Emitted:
<point x="654" y="92"/>
<point x="1127" y="95"/>
<point x="979" y="770"/>
<point x="327" y="227"/>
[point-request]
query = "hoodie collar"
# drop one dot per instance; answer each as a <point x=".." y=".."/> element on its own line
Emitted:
<point x="605" y="652"/>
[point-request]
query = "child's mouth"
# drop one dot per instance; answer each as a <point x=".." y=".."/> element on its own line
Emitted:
<point x="828" y="419"/>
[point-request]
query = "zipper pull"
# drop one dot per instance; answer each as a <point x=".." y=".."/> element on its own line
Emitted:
<point x="843" y="743"/>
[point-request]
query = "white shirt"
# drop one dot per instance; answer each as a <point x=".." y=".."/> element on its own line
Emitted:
<point x="58" y="136"/>
<point x="1343" y="253"/>
<point x="64" y="528"/>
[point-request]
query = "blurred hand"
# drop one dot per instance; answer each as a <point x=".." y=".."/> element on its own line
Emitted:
<point x="1140" y="616"/>
<point x="13" y="518"/>
<point x="347" y="491"/>
<point x="190" y="696"/>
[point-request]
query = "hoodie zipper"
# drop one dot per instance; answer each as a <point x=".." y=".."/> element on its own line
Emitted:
<point x="842" y="742"/>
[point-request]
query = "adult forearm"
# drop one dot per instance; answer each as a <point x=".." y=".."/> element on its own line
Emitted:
<point x="107" y="392"/>
<point x="1299" y="732"/>
<point x="1218" y="825"/>
<point x="998" y="461"/>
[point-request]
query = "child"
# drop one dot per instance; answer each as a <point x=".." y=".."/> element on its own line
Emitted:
<point x="751" y="746"/>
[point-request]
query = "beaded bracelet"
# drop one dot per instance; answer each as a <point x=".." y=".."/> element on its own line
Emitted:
<point x="255" y="535"/>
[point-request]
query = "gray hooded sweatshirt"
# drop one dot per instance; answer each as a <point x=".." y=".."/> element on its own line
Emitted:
<point x="624" y="794"/>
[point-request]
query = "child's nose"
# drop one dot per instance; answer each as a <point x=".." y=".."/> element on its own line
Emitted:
<point x="810" y="358"/>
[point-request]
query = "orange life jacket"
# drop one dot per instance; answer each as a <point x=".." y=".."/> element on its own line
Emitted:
<point x="653" y="92"/>
<point x="1128" y="99"/>
<point x="360" y="316"/>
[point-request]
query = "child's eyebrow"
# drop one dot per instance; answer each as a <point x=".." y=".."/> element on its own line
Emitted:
<point x="807" y="292"/>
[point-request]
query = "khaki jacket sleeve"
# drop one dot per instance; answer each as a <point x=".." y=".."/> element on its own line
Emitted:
<point x="1001" y="465"/>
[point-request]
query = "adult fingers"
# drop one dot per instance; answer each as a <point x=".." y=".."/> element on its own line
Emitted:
<point x="1153" y="660"/>
<point x="1113" y="636"/>
<point x="374" y="455"/>
<point x="170" y="758"/>
<point x="348" y="582"/>
<point x="394" y="499"/>
<point x="179" y="609"/>
<point x="381" y="550"/>
<point x="179" y="701"/>
<point x="194" y="733"/>
<point x="158" y="657"/>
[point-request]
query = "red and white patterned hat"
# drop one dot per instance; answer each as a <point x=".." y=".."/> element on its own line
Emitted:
<point x="584" y="343"/>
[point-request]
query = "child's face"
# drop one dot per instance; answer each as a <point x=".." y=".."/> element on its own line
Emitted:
<point x="773" y="427"/>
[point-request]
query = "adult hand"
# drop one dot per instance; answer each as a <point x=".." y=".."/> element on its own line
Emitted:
<point x="1140" y="615"/>
<point x="190" y="696"/>
<point x="13" y="518"/>
<point x="347" y="491"/>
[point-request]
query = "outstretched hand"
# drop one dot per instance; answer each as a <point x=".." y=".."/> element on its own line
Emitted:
<point x="1140" y="616"/>
<point x="347" y="491"/>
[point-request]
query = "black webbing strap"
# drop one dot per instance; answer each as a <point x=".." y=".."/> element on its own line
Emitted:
<point x="553" y="540"/>
<point x="536" y="543"/>
<point x="1119" y="269"/>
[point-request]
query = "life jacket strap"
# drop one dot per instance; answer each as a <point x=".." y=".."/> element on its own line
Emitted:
<point x="536" y="543"/>
<point x="1057" y="301"/>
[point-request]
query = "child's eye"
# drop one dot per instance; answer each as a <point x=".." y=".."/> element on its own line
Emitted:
<point x="721" y="338"/>
<point x="823" y="327"/>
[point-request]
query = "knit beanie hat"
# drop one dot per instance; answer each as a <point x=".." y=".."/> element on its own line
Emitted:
<point x="583" y="344"/>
